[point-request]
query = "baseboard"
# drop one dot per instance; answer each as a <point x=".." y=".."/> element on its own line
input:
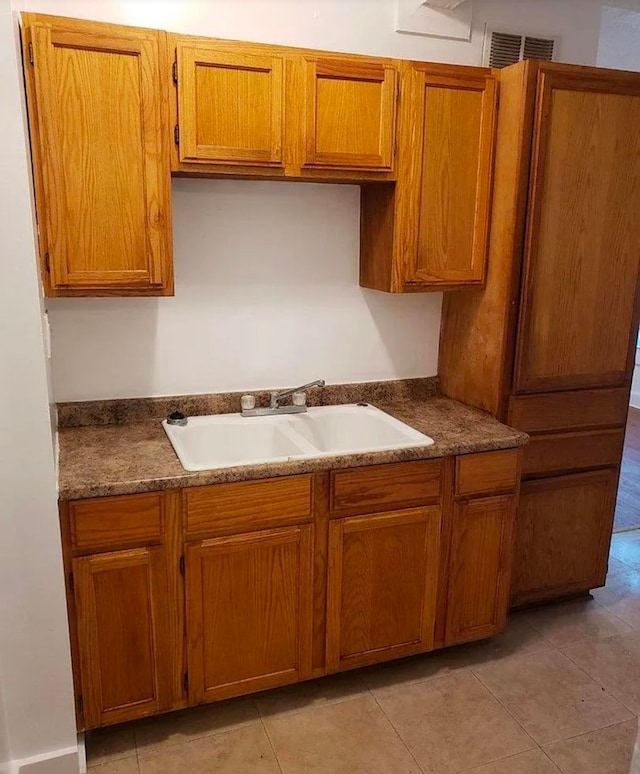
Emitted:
<point x="57" y="762"/>
<point x="634" y="400"/>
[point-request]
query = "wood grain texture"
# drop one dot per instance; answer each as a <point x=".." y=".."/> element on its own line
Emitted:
<point x="382" y="586"/>
<point x="116" y="522"/>
<point x="102" y="165"/>
<point x="249" y="612"/>
<point x="478" y="327"/>
<point x="564" y="527"/>
<point x="350" y="113"/>
<point x="458" y="133"/>
<point x="223" y="509"/>
<point x="321" y="492"/>
<point x="566" y="452"/>
<point x="572" y="410"/>
<point x="123" y="608"/>
<point x="430" y="231"/>
<point x="492" y="472"/>
<point x="362" y="490"/>
<point x="480" y="568"/>
<point x="578" y="317"/>
<point x="230" y="105"/>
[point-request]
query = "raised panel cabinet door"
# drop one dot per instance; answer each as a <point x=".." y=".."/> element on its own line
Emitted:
<point x="249" y="612"/>
<point x="123" y="609"/>
<point x="563" y="532"/>
<point x="382" y="586"/>
<point x="101" y="157"/>
<point x="230" y="106"/>
<point x="350" y="115"/>
<point x="480" y="568"/>
<point x="578" y="312"/>
<point x="452" y="166"/>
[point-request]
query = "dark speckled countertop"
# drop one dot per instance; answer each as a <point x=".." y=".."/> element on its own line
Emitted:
<point x="113" y="459"/>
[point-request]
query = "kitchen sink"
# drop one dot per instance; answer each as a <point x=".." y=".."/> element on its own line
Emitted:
<point x="229" y="440"/>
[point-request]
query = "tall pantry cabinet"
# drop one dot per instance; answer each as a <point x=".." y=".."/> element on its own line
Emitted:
<point x="548" y="346"/>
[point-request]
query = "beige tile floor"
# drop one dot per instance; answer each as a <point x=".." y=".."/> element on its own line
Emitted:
<point x="558" y="693"/>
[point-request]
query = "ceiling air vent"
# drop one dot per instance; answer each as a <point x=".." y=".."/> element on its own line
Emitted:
<point x="502" y="49"/>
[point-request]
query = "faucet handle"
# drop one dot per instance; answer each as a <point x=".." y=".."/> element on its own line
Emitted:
<point x="274" y="400"/>
<point x="248" y="402"/>
<point x="299" y="398"/>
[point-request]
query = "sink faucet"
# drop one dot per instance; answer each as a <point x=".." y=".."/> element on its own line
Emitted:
<point x="275" y="406"/>
<point x="276" y="397"/>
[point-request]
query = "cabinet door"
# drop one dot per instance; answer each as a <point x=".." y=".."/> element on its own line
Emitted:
<point x="249" y="612"/>
<point x="350" y="114"/>
<point x="563" y="533"/>
<point x="229" y="105"/>
<point x="582" y="253"/>
<point x="480" y="568"/>
<point x="123" y="607"/>
<point x="101" y="158"/>
<point x="382" y="585"/>
<point x="453" y="118"/>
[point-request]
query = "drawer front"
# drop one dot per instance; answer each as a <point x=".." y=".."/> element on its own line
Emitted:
<point x="564" y="452"/>
<point x="491" y="472"/>
<point x="248" y="505"/>
<point x="110" y="522"/>
<point x="576" y="410"/>
<point x="369" y="489"/>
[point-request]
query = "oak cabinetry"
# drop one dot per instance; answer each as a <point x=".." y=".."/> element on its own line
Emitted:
<point x="548" y="345"/>
<point x="430" y="230"/>
<point x="382" y="586"/>
<point x="184" y="597"/>
<point x="480" y="568"/>
<point x="99" y="135"/>
<point x="126" y="620"/>
<point x="349" y="113"/>
<point x="249" y="612"/>
<point x="230" y="105"/>
<point x="564" y="530"/>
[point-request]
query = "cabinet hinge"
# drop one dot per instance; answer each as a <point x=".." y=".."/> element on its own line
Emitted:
<point x="182" y="565"/>
<point x="175" y="71"/>
<point x="176" y="134"/>
<point x="47" y="262"/>
<point x="30" y="47"/>
<point x="72" y="584"/>
<point x="185" y="682"/>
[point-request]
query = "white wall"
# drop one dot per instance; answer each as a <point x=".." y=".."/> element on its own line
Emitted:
<point x="266" y="273"/>
<point x="35" y="667"/>
<point x="619" y="45"/>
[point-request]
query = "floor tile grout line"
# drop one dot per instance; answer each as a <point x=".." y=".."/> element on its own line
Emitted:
<point x="502" y="759"/>
<point x="397" y="733"/>
<point x="597" y="682"/>
<point x="271" y="745"/>
<point x="608" y="725"/>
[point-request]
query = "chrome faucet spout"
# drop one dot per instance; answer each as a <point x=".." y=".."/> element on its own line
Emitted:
<point x="277" y="397"/>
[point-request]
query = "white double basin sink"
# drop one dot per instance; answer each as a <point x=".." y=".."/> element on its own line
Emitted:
<point x="230" y="440"/>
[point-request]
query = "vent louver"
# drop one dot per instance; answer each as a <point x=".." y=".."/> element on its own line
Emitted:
<point x="502" y="49"/>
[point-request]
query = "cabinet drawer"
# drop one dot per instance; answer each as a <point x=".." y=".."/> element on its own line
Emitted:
<point x="110" y="522"/>
<point x="564" y="452"/>
<point x="247" y="506"/>
<point x="372" y="488"/>
<point x="575" y="410"/>
<point x="487" y="473"/>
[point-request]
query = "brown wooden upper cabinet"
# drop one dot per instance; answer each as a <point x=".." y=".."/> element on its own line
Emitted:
<point x="349" y="113"/>
<point x="430" y="230"/>
<point x="100" y="140"/>
<point x="230" y="105"/>
<point x="582" y="250"/>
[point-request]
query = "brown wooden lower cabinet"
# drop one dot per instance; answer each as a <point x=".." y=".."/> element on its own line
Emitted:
<point x="480" y="568"/>
<point x="249" y="612"/>
<point x="563" y="535"/>
<point x="123" y="607"/>
<point x="179" y="598"/>
<point x="382" y="584"/>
